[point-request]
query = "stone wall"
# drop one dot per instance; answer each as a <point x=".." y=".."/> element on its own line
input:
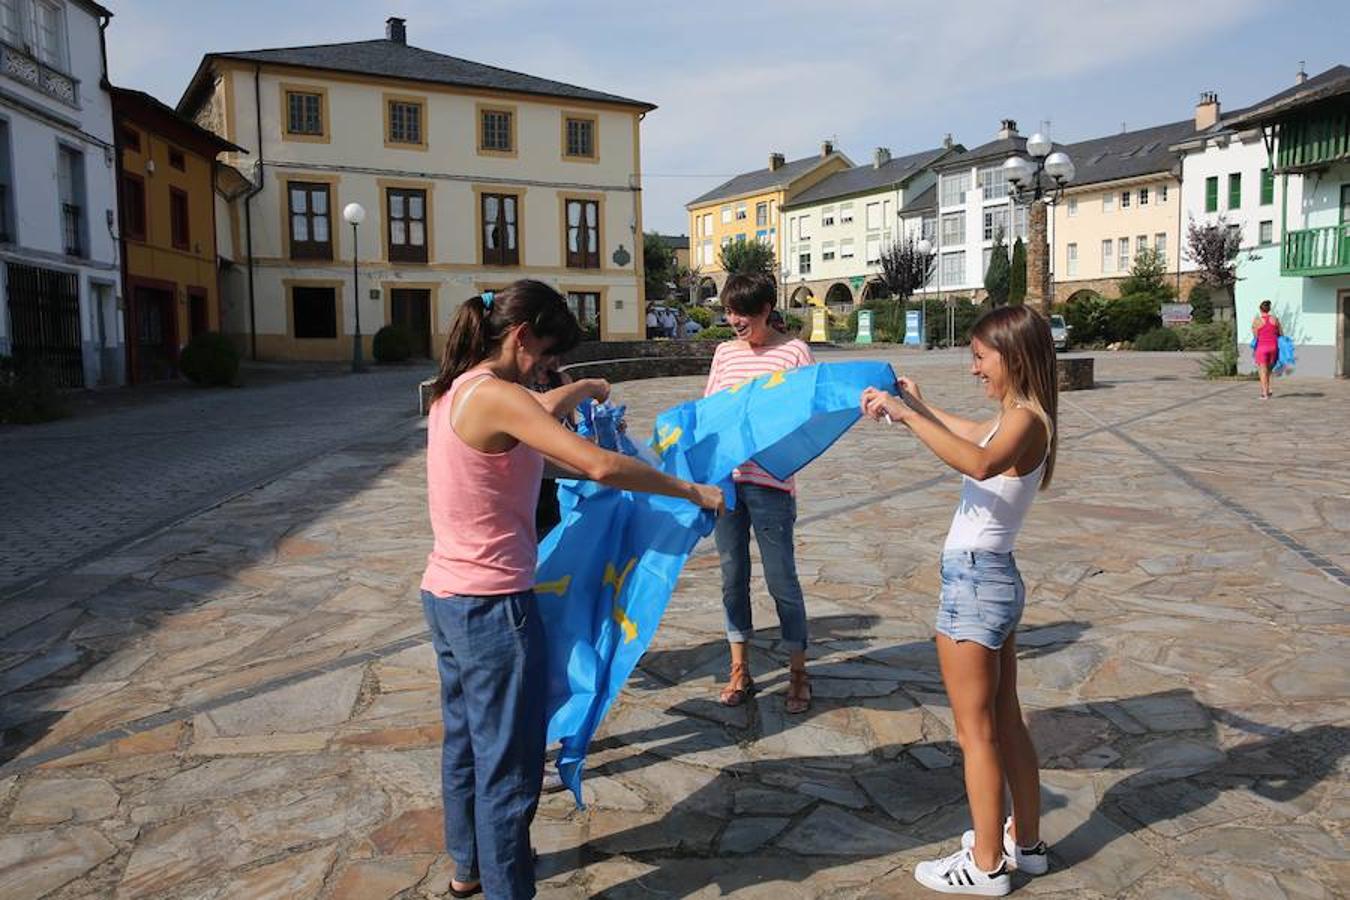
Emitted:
<point x="588" y="351"/>
<point x="1110" y="287"/>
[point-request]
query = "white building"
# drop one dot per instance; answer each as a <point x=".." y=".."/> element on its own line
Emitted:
<point x="837" y="229"/>
<point x="58" y="196"/>
<point x="471" y="177"/>
<point x="973" y="207"/>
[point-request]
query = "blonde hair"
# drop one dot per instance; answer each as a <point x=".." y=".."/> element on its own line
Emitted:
<point x="1022" y="338"/>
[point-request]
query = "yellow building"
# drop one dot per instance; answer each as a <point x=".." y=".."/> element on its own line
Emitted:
<point x="469" y="176"/>
<point x="166" y="197"/>
<point x="1125" y="197"/>
<point x="746" y="207"/>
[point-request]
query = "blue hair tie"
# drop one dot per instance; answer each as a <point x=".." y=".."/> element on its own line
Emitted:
<point x="487" y="297"/>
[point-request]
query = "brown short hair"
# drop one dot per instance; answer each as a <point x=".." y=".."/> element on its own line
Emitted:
<point x="749" y="294"/>
<point x="1265" y="306"/>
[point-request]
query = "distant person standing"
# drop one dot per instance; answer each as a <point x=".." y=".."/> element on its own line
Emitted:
<point x="1266" y="330"/>
<point x="668" y="323"/>
<point x="653" y="323"/>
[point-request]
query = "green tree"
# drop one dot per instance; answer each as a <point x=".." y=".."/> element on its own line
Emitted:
<point x="658" y="263"/>
<point x="1017" y="287"/>
<point x="747" y="258"/>
<point x="1147" y="278"/>
<point x="1202" y="305"/>
<point x="998" y="279"/>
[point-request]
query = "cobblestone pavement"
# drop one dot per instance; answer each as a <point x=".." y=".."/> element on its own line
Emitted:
<point x="76" y="487"/>
<point x="245" y="705"/>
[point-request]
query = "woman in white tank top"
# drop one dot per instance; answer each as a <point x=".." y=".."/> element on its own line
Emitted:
<point x="1004" y="462"/>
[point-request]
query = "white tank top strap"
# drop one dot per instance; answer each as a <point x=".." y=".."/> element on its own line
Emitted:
<point x="458" y="398"/>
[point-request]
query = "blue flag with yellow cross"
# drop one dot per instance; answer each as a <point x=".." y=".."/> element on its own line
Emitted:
<point x="607" y="571"/>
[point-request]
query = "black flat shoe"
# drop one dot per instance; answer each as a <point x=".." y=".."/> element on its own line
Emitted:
<point x="460" y="893"/>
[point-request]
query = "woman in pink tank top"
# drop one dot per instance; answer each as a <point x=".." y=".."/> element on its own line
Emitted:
<point x="1267" y="330"/>
<point x="487" y="437"/>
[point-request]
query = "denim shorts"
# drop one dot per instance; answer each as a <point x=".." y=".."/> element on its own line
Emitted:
<point x="982" y="597"/>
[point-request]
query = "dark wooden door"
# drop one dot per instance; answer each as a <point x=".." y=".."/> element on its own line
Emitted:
<point x="154" y="336"/>
<point x="411" y="308"/>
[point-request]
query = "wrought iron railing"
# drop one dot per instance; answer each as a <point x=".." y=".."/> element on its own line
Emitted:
<point x="71" y="231"/>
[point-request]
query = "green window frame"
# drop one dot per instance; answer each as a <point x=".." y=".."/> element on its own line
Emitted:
<point x="1212" y="193"/>
<point x="1267" y="187"/>
<point x="1234" y="190"/>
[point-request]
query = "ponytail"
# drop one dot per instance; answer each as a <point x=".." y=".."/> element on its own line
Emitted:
<point x="481" y="324"/>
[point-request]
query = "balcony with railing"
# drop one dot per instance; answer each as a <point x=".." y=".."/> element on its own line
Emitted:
<point x="23" y="66"/>
<point x="1314" y="139"/>
<point x="72" y="230"/>
<point x="1317" y="251"/>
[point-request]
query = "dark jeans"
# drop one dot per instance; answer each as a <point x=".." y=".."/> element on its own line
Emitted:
<point x="772" y="513"/>
<point x="490" y="653"/>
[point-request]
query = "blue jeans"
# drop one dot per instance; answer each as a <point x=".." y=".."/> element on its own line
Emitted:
<point x="490" y="653"/>
<point x="982" y="597"/>
<point x="772" y="513"/>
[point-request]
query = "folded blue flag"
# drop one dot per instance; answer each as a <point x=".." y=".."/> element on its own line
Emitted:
<point x="608" y="570"/>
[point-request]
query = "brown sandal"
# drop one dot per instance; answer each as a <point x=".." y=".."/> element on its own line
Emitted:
<point x="799" y="692"/>
<point x="739" y="686"/>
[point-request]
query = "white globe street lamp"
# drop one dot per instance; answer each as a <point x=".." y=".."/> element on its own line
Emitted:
<point x="355" y="214"/>
<point x="1038" y="145"/>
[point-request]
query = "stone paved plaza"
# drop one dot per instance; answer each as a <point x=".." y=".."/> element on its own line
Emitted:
<point x="245" y="705"/>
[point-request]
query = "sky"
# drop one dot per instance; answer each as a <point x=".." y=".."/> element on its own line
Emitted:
<point x="736" y="81"/>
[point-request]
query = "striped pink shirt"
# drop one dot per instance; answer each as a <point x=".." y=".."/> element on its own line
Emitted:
<point x="737" y="361"/>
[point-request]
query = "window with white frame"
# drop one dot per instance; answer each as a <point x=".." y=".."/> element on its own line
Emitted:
<point x="726" y="215"/>
<point x="707" y="252"/>
<point x="1267" y="232"/>
<point x="953" y="268"/>
<point x="11" y="22"/>
<point x="928" y="229"/>
<point x="1123" y="255"/>
<point x="845" y="213"/>
<point x="1162" y="193"/>
<point x="1109" y="202"/>
<point x="1073" y="206"/>
<point x="954" y="228"/>
<point x="952" y="188"/>
<point x="1124" y="199"/>
<point x="795" y="228"/>
<point x="827" y="217"/>
<point x="49" y="26"/>
<point x="806" y="228"/>
<point x="995" y="222"/>
<point x="1071" y="260"/>
<point x="761" y="215"/>
<point x="1143" y="196"/>
<point x="873" y="250"/>
<point x="1160" y="245"/>
<point x="994" y="183"/>
<point x="873" y="220"/>
<point x="1108" y="256"/>
<point x="827" y="251"/>
<point x="804" y="263"/>
<point x="707" y="224"/>
<point x="741" y="213"/>
<point x="846" y="248"/>
<point x="1140" y="244"/>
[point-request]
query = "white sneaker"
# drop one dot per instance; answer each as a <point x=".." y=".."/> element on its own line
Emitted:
<point x="1032" y="860"/>
<point x="958" y="874"/>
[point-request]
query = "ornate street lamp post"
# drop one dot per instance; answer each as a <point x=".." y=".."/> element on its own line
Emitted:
<point x="355" y="214"/>
<point x="1025" y="184"/>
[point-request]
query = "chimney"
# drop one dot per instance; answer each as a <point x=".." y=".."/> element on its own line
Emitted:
<point x="826" y="148"/>
<point x="1302" y="75"/>
<point x="776" y="161"/>
<point x="1207" y="111"/>
<point x="947" y="141"/>
<point x="395" y="30"/>
<point x="880" y="157"/>
<point x="1007" y="129"/>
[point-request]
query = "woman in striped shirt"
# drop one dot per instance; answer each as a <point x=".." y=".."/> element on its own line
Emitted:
<point x="762" y="501"/>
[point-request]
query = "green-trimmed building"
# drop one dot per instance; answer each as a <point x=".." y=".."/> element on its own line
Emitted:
<point x="1306" y="276"/>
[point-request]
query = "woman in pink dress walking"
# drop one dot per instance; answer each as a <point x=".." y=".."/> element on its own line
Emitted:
<point x="1267" y="330"/>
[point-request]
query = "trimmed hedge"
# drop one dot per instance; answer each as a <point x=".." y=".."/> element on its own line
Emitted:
<point x="1158" y="339"/>
<point x="716" y="333"/>
<point x="210" y="359"/>
<point x="392" y="344"/>
<point x="1211" y="336"/>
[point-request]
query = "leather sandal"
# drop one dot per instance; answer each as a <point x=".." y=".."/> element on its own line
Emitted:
<point x="799" y="692"/>
<point x="739" y="686"/>
<point x="475" y="888"/>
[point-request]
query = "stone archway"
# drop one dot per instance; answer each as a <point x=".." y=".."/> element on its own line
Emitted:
<point x="800" y="298"/>
<point x="1083" y="294"/>
<point x="707" y="289"/>
<point x="875" y="290"/>
<point x="839" y="295"/>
